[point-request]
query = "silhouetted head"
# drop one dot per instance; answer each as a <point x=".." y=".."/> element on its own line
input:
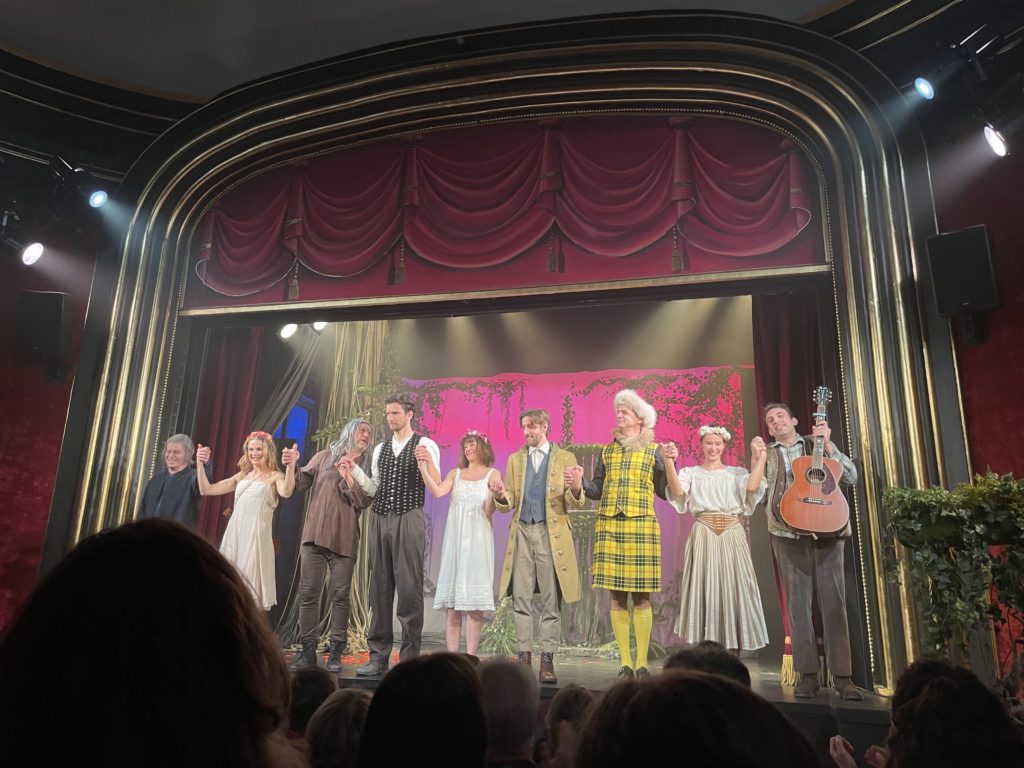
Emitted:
<point x="427" y="711"/>
<point x="142" y="647"/>
<point x="710" y="720"/>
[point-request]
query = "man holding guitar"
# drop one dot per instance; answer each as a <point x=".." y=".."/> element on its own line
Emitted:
<point x="808" y="518"/>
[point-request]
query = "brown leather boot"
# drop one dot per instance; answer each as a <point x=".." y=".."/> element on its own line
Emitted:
<point x="527" y="658"/>
<point x="808" y="686"/>
<point x="847" y="690"/>
<point x="547" y="669"/>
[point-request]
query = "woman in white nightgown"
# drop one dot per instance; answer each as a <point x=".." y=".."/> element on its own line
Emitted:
<point x="248" y="539"/>
<point x="720" y="598"/>
<point x="465" y="583"/>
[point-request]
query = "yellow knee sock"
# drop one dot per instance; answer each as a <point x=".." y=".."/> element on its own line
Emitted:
<point x="643" y="620"/>
<point x="620" y="626"/>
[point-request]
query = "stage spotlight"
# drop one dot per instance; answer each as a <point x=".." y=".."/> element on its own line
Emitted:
<point x="319" y="326"/>
<point x="9" y="224"/>
<point x="996" y="141"/>
<point x="75" y="183"/>
<point x="31" y="253"/>
<point x="924" y="87"/>
<point x="288" y="330"/>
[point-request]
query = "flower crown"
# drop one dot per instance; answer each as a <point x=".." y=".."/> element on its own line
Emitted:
<point x="722" y="432"/>
<point x="477" y="435"/>
<point x="259" y="434"/>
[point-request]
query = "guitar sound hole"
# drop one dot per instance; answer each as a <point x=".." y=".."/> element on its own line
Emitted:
<point x="816" y="476"/>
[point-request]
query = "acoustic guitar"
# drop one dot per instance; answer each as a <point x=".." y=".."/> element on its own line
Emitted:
<point x="814" y="503"/>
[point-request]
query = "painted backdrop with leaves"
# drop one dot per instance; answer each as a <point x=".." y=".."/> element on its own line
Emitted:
<point x="582" y="420"/>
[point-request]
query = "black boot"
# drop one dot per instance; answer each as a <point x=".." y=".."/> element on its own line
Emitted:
<point x="306" y="659"/>
<point x="334" y="660"/>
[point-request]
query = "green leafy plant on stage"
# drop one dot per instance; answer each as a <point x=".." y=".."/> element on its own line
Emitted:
<point x="965" y="560"/>
<point x="499" y="636"/>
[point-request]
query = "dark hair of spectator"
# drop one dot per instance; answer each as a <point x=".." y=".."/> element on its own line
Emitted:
<point x="572" y="704"/>
<point x="142" y="647"/>
<point x="334" y="731"/>
<point x="944" y="716"/>
<point x="711" y="720"/>
<point x="426" y="711"/>
<point x="310" y="687"/>
<point x="717" y="662"/>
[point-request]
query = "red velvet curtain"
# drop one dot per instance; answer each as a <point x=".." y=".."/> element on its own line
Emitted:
<point x="787" y="368"/>
<point x="225" y="412"/>
<point x="472" y="199"/>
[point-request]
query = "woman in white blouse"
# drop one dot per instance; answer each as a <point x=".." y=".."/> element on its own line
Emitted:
<point x="720" y="599"/>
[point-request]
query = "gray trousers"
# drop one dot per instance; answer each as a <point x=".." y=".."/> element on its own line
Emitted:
<point x="806" y="566"/>
<point x="314" y="563"/>
<point x="396" y="566"/>
<point x="534" y="570"/>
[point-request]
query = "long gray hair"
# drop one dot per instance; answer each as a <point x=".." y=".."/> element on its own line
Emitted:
<point x="347" y="437"/>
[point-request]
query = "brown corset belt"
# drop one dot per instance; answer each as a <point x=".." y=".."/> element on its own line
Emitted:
<point x="716" y="522"/>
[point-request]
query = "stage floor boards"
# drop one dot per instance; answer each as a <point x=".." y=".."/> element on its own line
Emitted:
<point x="862" y="722"/>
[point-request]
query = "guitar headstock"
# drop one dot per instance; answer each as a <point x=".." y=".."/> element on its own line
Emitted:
<point x="822" y="397"/>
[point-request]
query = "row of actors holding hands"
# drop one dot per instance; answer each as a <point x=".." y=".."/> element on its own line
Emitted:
<point x="542" y="484"/>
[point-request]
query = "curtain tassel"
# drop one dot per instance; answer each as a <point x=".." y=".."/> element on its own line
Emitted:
<point x="400" y="267"/>
<point x="293" y="284"/>
<point x="396" y="272"/>
<point x="552" y="258"/>
<point x="677" y="255"/>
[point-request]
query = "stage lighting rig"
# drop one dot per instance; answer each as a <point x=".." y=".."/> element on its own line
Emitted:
<point x="29" y="252"/>
<point x="74" y="185"/>
<point x="1003" y="115"/>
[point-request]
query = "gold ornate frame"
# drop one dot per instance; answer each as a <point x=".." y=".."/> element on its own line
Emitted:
<point x="900" y="401"/>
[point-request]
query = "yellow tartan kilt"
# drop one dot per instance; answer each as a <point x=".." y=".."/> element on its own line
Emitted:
<point x="627" y="553"/>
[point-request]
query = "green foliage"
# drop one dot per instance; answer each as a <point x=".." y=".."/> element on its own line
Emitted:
<point x="499" y="636"/>
<point x="956" y="561"/>
<point x="370" y="405"/>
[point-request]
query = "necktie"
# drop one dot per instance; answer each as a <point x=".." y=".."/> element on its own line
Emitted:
<point x="536" y="456"/>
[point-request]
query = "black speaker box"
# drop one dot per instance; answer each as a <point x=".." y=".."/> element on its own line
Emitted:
<point x="42" y="325"/>
<point x="961" y="267"/>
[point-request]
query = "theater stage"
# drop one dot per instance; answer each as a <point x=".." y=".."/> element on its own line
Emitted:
<point x="863" y="723"/>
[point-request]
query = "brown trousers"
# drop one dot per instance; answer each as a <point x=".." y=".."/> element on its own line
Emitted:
<point x="808" y="566"/>
<point x="396" y="567"/>
<point x="314" y="563"/>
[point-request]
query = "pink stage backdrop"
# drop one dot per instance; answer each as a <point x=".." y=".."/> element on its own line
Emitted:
<point x="582" y="419"/>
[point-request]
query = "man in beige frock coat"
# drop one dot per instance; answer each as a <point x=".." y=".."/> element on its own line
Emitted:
<point x="541" y="555"/>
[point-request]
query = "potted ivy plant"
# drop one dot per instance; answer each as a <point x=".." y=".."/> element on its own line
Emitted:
<point x="965" y="553"/>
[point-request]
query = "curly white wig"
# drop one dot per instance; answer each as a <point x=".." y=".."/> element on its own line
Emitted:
<point x="644" y="410"/>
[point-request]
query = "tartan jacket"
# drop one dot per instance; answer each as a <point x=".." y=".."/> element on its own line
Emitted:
<point x="626" y="478"/>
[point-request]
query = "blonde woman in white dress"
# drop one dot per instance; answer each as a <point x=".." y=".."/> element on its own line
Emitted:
<point x="465" y="583"/>
<point x="248" y="540"/>
<point x="720" y="599"/>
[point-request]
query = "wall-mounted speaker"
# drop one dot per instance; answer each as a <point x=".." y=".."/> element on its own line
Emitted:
<point x="42" y="325"/>
<point x="961" y="267"/>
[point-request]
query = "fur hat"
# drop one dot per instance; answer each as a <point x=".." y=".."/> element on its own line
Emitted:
<point x="644" y="410"/>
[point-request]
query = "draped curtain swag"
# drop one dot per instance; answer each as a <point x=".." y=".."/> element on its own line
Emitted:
<point x="473" y="199"/>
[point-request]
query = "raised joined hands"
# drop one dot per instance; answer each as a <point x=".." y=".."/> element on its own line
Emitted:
<point x="290" y="455"/>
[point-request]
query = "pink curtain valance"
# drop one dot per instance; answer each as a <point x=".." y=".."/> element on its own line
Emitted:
<point x="478" y="198"/>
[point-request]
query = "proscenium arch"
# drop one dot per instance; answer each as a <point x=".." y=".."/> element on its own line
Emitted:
<point x="901" y="411"/>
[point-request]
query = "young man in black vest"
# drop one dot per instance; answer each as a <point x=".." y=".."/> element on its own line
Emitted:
<point x="396" y="535"/>
<point x="809" y="565"/>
